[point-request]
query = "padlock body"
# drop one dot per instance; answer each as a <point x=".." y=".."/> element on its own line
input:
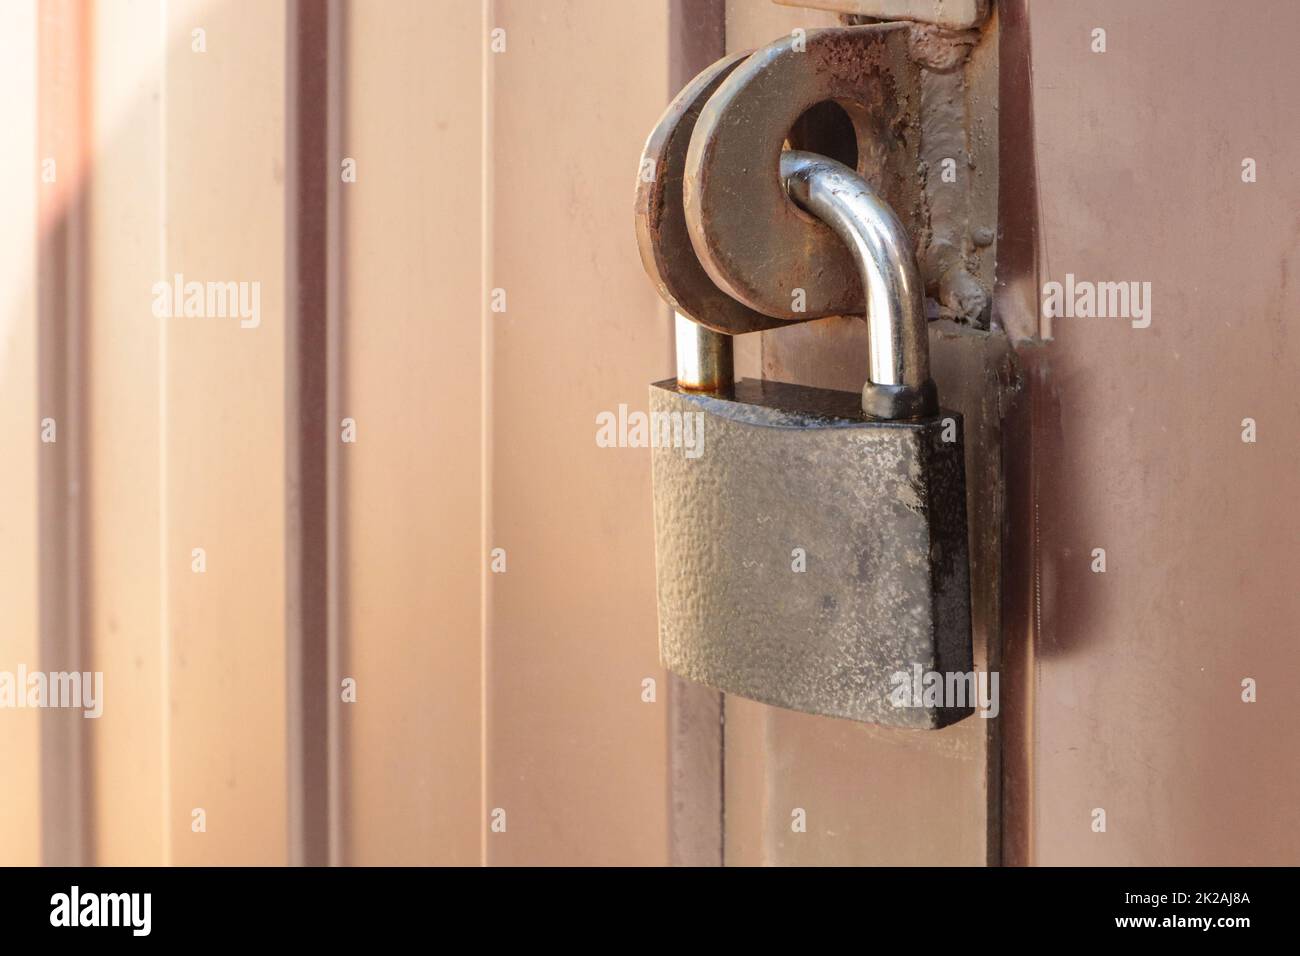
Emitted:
<point x="809" y="558"/>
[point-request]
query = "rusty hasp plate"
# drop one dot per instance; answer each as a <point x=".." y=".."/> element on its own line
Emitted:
<point x="953" y="14"/>
<point x="666" y="250"/>
<point x="751" y="240"/>
<point x="807" y="557"/>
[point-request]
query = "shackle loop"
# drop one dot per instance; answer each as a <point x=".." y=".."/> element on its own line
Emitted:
<point x="898" y="368"/>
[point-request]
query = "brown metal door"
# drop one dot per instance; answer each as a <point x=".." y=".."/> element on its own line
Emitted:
<point x="435" y="198"/>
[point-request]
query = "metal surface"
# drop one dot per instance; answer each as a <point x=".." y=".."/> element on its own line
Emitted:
<point x="875" y="796"/>
<point x="750" y="238"/>
<point x="956" y="14"/>
<point x="958" y="164"/>
<point x="575" y="608"/>
<point x="1129" y="681"/>
<point x="666" y="250"/>
<point x="704" y="357"/>
<point x="1016" y="291"/>
<point x="696" y="38"/>
<point x="879" y="511"/>
<point x="63" y="128"/>
<point x="898" y="365"/>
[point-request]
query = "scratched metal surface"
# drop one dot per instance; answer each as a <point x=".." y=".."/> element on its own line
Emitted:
<point x="879" y="510"/>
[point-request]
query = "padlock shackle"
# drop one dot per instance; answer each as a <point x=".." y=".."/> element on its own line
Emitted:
<point x="898" y="367"/>
<point x="704" y="357"/>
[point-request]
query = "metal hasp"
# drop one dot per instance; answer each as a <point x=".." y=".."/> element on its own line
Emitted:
<point x="809" y="553"/>
<point x="666" y="251"/>
<point x="748" y="237"/>
<point x="953" y="14"/>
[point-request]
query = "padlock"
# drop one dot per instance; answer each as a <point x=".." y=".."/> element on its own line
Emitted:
<point x="811" y="553"/>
